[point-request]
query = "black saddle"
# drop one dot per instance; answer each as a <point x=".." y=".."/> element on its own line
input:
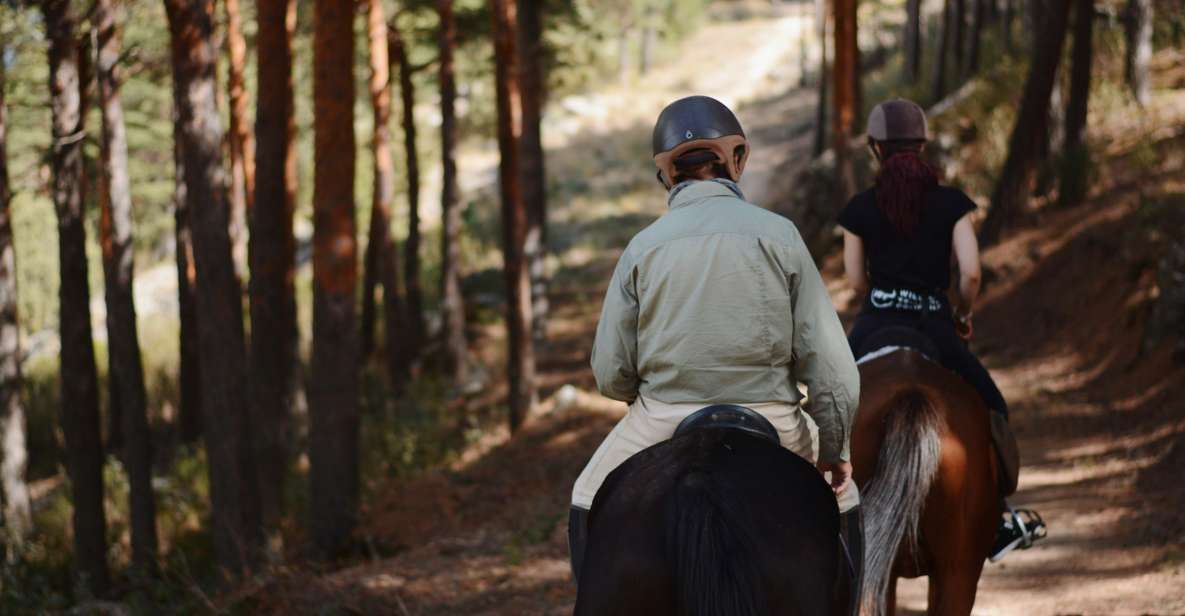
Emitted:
<point x="730" y="416"/>
<point x="901" y="336"/>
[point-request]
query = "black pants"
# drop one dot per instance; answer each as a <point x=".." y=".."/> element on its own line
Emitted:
<point x="940" y="328"/>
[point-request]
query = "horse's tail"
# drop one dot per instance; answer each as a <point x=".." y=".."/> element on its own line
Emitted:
<point x="893" y="500"/>
<point x="711" y="551"/>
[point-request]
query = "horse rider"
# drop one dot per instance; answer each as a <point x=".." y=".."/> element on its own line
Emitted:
<point x="719" y="302"/>
<point x="899" y="237"/>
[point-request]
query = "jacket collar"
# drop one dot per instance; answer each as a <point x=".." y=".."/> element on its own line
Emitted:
<point x="692" y="191"/>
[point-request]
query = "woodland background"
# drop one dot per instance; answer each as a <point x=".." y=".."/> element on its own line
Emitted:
<point x="257" y="348"/>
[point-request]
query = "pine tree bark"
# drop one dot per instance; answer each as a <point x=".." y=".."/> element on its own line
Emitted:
<point x="189" y="365"/>
<point x="234" y="498"/>
<point x="14" y="456"/>
<point x="803" y="54"/>
<point x="115" y="229"/>
<point x="452" y="303"/>
<point x="272" y="252"/>
<point x="1075" y="154"/>
<point x="977" y="19"/>
<point x="1006" y="27"/>
<point x="1030" y="133"/>
<point x="88" y="92"/>
<point x="960" y="36"/>
<point x="333" y="388"/>
<point x="242" y="142"/>
<point x="532" y="174"/>
<point x="1138" y="25"/>
<point x="381" y="259"/>
<point x="521" y="356"/>
<point x="415" y="330"/>
<point x="79" y="382"/>
<point x="820" y="142"/>
<point x="913" y="40"/>
<point x="942" y="50"/>
<point x="844" y="115"/>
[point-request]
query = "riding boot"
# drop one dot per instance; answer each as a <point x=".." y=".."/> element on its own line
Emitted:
<point x="1006" y="451"/>
<point x="851" y="532"/>
<point x="577" y="539"/>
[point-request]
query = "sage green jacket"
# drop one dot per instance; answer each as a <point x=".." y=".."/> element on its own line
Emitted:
<point x="719" y="301"/>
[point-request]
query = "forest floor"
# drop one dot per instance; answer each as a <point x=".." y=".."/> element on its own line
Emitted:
<point x="1100" y="415"/>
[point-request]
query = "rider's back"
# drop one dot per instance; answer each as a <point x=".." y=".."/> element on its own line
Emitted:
<point x="714" y="280"/>
<point x="919" y="261"/>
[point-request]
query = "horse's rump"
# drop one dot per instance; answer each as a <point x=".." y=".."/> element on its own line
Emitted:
<point x="894" y="497"/>
<point x="922" y="454"/>
<point x="711" y="522"/>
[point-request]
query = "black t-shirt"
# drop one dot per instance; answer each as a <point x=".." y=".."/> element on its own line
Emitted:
<point x="921" y="262"/>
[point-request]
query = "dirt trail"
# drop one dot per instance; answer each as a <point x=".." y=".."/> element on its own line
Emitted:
<point x="1099" y="417"/>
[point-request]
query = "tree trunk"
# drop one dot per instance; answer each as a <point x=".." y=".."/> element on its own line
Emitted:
<point x="80" y="394"/>
<point x="532" y="175"/>
<point x="17" y="516"/>
<point x="414" y="332"/>
<point x="452" y="303"/>
<point x="242" y="142"/>
<point x="382" y="255"/>
<point x="803" y="54"/>
<point x="88" y="92"/>
<point x="1138" y="25"/>
<point x="272" y="254"/>
<point x="857" y="73"/>
<point x="843" y="118"/>
<point x="521" y="356"/>
<point x="381" y="259"/>
<point x="115" y="227"/>
<point x="913" y="40"/>
<point x="190" y="405"/>
<point x="333" y="388"/>
<point x="960" y="36"/>
<point x="1006" y="27"/>
<point x="821" y="104"/>
<point x="941" y="51"/>
<point x="977" y="18"/>
<point x="529" y="25"/>
<point x="1031" y="128"/>
<point x="234" y="498"/>
<point x="1075" y="154"/>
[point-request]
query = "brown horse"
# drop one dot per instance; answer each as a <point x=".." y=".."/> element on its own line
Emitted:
<point x="923" y="457"/>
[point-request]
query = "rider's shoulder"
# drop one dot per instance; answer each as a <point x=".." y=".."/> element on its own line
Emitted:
<point x="953" y="198"/>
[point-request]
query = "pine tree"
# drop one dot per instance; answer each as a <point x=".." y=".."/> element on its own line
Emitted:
<point x="333" y="385"/>
<point x="521" y="356"/>
<point x="234" y="498"/>
<point x="79" y="381"/>
<point x="272" y="252"/>
<point x="14" y="490"/>
<point x="115" y="224"/>
<point x="452" y="303"/>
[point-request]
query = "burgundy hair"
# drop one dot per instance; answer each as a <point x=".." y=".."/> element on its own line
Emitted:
<point x="901" y="187"/>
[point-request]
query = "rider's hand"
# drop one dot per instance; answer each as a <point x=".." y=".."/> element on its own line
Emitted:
<point x="963" y="326"/>
<point x="841" y="473"/>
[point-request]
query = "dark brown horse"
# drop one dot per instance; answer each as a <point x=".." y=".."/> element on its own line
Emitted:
<point x="923" y="459"/>
<point x="714" y="522"/>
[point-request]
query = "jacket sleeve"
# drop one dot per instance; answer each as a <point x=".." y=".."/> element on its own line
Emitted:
<point x="822" y="358"/>
<point x="615" y="350"/>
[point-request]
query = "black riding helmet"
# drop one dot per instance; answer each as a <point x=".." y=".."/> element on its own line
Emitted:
<point x="696" y="130"/>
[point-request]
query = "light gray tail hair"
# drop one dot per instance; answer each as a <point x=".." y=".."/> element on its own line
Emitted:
<point x="893" y="501"/>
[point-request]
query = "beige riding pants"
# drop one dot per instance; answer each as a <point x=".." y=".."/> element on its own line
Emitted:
<point x="648" y="422"/>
